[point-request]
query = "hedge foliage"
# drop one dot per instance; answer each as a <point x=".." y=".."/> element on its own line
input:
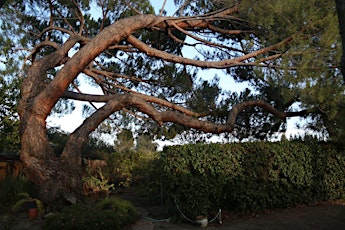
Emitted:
<point x="199" y="179"/>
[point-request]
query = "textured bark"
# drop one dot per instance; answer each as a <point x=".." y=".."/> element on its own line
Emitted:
<point x="57" y="177"/>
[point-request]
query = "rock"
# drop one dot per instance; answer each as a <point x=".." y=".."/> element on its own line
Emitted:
<point x="71" y="198"/>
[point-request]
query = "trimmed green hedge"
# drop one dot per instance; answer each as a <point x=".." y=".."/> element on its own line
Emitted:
<point x="199" y="179"/>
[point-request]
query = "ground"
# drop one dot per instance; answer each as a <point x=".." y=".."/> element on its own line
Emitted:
<point x="323" y="216"/>
<point x="320" y="216"/>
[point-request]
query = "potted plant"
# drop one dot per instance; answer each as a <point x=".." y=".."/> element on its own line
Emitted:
<point x="33" y="206"/>
<point x="202" y="220"/>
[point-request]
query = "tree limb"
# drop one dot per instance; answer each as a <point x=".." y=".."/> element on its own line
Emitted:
<point x="239" y="61"/>
<point x="118" y="102"/>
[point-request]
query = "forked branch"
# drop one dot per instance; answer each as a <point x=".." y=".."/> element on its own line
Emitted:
<point x="118" y="102"/>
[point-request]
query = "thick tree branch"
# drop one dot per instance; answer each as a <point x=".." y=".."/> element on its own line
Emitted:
<point x="118" y="102"/>
<point x="34" y="82"/>
<point x="106" y="98"/>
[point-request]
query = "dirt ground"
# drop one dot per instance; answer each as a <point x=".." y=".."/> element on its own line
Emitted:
<point x="321" y="217"/>
<point x="324" y="216"/>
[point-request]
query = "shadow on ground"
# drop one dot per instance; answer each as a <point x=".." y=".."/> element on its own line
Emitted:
<point x="324" y="216"/>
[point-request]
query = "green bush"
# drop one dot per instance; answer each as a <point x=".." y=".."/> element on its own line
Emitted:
<point x="11" y="187"/>
<point x="147" y="177"/>
<point x="195" y="177"/>
<point x="111" y="213"/>
<point x="97" y="186"/>
<point x="121" y="166"/>
<point x="138" y="170"/>
<point x="201" y="178"/>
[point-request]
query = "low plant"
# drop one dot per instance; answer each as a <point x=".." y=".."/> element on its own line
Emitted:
<point x="26" y="200"/>
<point x="11" y="187"/>
<point x="97" y="185"/>
<point x="111" y="213"/>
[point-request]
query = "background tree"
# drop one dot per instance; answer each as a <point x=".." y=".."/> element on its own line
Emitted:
<point x="9" y="125"/>
<point x="125" y="141"/>
<point x="286" y="51"/>
<point x="341" y="17"/>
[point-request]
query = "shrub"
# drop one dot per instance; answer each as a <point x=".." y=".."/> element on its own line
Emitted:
<point x="195" y="177"/>
<point x="97" y="186"/>
<point x="111" y="213"/>
<point x="141" y="170"/>
<point x="11" y="187"/>
<point x="147" y="177"/>
<point x="120" y="166"/>
<point x="250" y="176"/>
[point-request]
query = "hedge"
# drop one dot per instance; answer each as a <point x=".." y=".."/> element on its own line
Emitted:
<point x="200" y="178"/>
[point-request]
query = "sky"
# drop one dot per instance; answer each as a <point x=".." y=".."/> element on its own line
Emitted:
<point x="70" y="122"/>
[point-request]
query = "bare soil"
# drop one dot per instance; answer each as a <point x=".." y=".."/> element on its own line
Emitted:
<point x="321" y="216"/>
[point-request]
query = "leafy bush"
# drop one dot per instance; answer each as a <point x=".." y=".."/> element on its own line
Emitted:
<point x="120" y="166"/>
<point x="250" y="176"/>
<point x="196" y="176"/>
<point x="111" y="213"/>
<point x="97" y="186"/>
<point x="11" y="187"/>
<point x="26" y="200"/>
<point x="134" y="168"/>
<point x="147" y="177"/>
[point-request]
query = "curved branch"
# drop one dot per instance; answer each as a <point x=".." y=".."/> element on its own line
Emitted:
<point x="146" y="98"/>
<point x="224" y="31"/>
<point x="50" y="28"/>
<point x="204" y="64"/>
<point x="203" y="41"/>
<point x="119" y="102"/>
<point x="109" y="36"/>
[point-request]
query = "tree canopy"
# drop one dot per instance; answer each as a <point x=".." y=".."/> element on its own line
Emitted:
<point x="147" y="67"/>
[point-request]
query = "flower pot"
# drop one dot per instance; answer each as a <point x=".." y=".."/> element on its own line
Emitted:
<point x="32" y="209"/>
<point x="202" y="220"/>
<point x="32" y="213"/>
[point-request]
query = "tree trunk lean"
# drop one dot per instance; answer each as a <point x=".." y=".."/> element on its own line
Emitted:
<point x="59" y="176"/>
<point x="53" y="178"/>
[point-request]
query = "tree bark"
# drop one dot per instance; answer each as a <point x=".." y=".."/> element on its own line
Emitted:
<point x="58" y="177"/>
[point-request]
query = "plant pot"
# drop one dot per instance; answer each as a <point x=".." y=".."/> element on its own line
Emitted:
<point x="202" y="220"/>
<point x="32" y="209"/>
<point x="33" y="213"/>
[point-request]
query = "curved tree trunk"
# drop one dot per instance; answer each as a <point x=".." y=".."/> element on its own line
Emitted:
<point x="41" y="166"/>
<point x="59" y="176"/>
